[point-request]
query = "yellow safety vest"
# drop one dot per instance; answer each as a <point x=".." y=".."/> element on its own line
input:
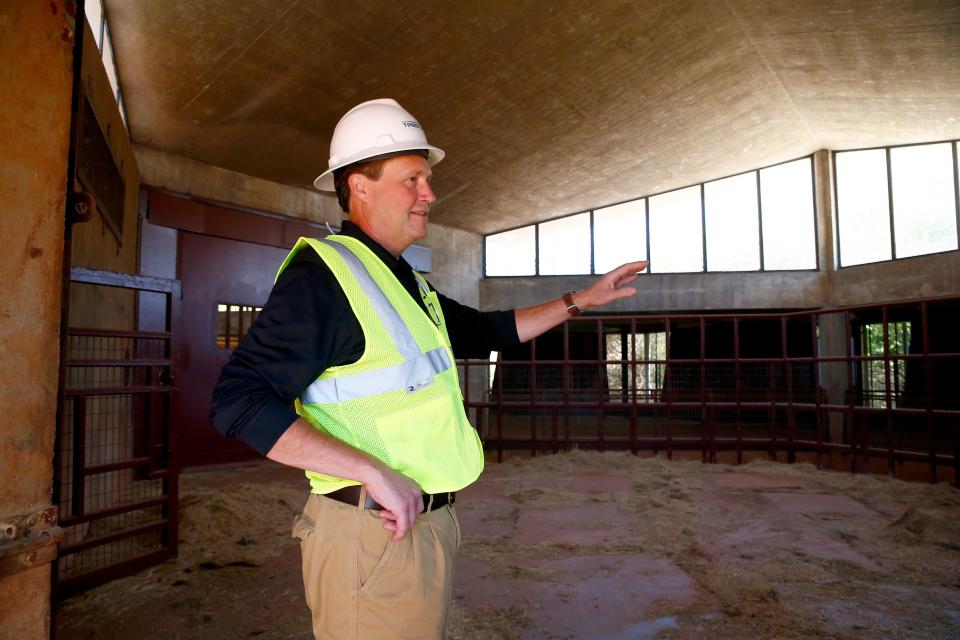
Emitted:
<point x="401" y="401"/>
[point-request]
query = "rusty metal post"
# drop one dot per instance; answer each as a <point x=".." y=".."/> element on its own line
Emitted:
<point x="499" y="378"/>
<point x="533" y="398"/>
<point x="791" y="418"/>
<point x="567" y="384"/>
<point x="601" y="376"/>
<point x="928" y="392"/>
<point x="817" y="386"/>
<point x="632" y="397"/>
<point x="888" y="394"/>
<point x="667" y="381"/>
<point x="705" y="422"/>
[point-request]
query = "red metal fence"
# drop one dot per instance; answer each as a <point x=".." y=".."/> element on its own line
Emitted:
<point x="870" y="388"/>
<point x="115" y="485"/>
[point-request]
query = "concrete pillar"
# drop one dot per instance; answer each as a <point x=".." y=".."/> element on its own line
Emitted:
<point x="833" y="376"/>
<point x="36" y="71"/>
<point x="823" y="200"/>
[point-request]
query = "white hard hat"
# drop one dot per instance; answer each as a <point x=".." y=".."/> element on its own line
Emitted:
<point x="373" y="129"/>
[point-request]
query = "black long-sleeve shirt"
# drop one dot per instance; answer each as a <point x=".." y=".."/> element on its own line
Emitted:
<point x="307" y="326"/>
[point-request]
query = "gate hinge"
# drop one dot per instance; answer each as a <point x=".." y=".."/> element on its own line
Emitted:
<point x="28" y="540"/>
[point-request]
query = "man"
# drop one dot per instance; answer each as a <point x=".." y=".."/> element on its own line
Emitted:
<point x="365" y="346"/>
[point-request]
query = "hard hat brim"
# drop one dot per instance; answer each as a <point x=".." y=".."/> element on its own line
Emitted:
<point x="324" y="182"/>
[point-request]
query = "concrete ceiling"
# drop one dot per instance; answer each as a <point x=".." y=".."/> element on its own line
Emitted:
<point x="544" y="108"/>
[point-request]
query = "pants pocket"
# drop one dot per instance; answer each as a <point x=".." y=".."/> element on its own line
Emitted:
<point x="456" y="523"/>
<point x="302" y="528"/>
<point x="375" y="550"/>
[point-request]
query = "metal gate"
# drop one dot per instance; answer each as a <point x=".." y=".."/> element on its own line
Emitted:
<point x="115" y="478"/>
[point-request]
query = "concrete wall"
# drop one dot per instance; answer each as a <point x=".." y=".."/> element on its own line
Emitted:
<point x="457" y="263"/>
<point x="36" y="50"/>
<point x="671" y="292"/>
<point x="905" y="279"/>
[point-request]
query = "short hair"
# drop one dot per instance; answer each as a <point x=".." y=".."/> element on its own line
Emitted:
<point x="341" y="178"/>
<point x="372" y="168"/>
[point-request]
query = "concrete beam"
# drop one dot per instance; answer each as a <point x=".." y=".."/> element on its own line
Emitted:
<point x="186" y="175"/>
<point x="672" y="292"/>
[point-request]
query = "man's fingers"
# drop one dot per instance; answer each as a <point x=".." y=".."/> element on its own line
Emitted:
<point x="392" y="523"/>
<point x="401" y="520"/>
<point x="625" y="292"/>
<point x="625" y="274"/>
<point x="403" y="524"/>
<point x="626" y="279"/>
<point x="401" y="500"/>
<point x="631" y="267"/>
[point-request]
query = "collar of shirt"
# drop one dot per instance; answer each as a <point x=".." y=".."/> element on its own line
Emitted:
<point x="347" y="228"/>
<point x="399" y="266"/>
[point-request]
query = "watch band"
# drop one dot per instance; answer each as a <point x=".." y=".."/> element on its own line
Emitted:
<point x="572" y="307"/>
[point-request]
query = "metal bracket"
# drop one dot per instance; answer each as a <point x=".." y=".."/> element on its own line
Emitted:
<point x="28" y="540"/>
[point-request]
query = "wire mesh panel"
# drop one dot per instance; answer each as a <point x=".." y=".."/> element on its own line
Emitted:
<point x="114" y="483"/>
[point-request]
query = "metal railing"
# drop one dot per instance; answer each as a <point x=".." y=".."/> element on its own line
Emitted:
<point x="802" y="384"/>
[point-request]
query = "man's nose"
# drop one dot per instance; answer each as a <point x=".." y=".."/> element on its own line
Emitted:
<point x="426" y="192"/>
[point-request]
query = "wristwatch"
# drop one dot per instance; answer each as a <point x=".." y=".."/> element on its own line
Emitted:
<point x="572" y="307"/>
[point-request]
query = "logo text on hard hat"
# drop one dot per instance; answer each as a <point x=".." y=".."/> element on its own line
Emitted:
<point x="411" y="123"/>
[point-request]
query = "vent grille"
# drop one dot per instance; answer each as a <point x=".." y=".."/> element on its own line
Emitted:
<point x="97" y="171"/>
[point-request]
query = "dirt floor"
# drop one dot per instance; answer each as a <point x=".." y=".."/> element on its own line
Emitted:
<point x="584" y="545"/>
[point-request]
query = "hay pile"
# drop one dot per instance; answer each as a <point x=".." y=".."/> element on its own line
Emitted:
<point x="763" y="550"/>
<point x="771" y="550"/>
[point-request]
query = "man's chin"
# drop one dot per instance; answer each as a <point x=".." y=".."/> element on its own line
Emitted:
<point x="421" y="228"/>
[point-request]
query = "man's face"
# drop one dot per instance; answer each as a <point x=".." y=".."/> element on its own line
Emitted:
<point x="398" y="204"/>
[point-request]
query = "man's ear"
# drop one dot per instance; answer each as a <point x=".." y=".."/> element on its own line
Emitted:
<point x="358" y="185"/>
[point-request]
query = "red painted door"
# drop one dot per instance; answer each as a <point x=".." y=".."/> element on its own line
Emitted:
<point x="212" y="271"/>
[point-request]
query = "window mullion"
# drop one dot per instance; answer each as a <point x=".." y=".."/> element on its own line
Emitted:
<point x="703" y="225"/>
<point x="646" y="218"/>
<point x="760" y="221"/>
<point x="893" y="238"/>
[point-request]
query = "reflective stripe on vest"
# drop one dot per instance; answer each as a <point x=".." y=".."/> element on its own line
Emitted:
<point x="417" y="370"/>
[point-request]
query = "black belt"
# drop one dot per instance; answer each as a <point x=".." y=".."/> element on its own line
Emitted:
<point x="351" y="495"/>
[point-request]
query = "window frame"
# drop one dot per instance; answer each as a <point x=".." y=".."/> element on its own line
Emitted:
<point x="954" y="148"/>
<point x="646" y="213"/>
<point x="102" y="33"/>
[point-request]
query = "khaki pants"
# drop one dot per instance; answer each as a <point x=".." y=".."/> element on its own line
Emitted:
<point x="361" y="585"/>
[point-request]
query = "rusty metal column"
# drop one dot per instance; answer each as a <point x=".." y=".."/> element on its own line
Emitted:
<point x="788" y="367"/>
<point x="738" y="388"/>
<point x="887" y="394"/>
<point x="817" y="387"/>
<point x="632" y="396"/>
<point x="668" y="392"/>
<point x="499" y="378"/>
<point x="705" y="422"/>
<point x="567" y="384"/>
<point x="600" y="377"/>
<point x="533" y="398"/>
<point x="928" y="393"/>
